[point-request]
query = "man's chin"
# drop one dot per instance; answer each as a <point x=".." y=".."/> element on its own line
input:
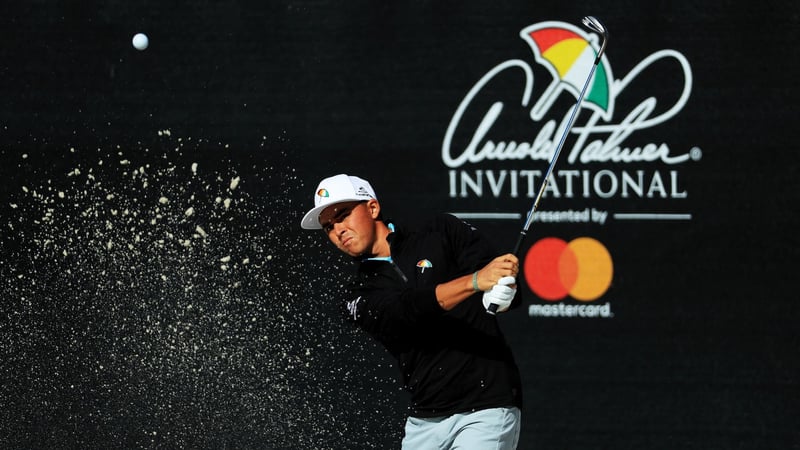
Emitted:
<point x="350" y="250"/>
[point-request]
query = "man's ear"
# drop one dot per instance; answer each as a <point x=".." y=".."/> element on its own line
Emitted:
<point x="374" y="208"/>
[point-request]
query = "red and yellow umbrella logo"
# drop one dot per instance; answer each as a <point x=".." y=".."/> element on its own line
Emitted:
<point x="569" y="53"/>
<point x="424" y="264"/>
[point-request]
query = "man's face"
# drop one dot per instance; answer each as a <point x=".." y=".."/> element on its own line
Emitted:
<point x="351" y="226"/>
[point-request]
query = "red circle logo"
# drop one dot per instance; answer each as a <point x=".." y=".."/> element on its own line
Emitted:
<point x="582" y="269"/>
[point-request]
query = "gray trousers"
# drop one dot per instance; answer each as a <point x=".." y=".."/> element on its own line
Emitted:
<point x="487" y="429"/>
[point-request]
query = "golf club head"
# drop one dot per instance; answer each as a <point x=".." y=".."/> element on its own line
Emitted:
<point x="595" y="25"/>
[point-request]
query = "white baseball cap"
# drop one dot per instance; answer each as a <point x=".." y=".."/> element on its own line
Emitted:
<point x="336" y="189"/>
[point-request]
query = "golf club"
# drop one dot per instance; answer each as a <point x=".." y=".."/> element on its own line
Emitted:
<point x="595" y="25"/>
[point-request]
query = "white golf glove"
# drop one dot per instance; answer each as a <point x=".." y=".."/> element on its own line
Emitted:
<point x="501" y="294"/>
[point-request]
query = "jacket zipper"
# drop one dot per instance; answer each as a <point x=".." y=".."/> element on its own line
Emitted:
<point x="399" y="272"/>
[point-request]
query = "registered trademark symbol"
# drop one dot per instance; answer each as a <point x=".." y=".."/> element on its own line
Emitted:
<point x="696" y="154"/>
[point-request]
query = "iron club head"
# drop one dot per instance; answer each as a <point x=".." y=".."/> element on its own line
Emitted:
<point x="595" y="25"/>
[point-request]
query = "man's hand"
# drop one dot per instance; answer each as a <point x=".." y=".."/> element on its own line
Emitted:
<point x="501" y="294"/>
<point x="502" y="266"/>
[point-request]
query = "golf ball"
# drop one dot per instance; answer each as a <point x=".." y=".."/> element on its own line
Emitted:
<point x="140" y="41"/>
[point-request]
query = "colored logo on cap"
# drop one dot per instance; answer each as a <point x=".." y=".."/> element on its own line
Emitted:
<point x="323" y="193"/>
<point x="582" y="269"/>
<point x="424" y="264"/>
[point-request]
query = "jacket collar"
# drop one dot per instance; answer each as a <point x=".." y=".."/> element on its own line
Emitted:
<point x="392" y="239"/>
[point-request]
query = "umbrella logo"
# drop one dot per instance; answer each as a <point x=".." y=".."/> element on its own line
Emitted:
<point x="424" y="264"/>
<point x="568" y="52"/>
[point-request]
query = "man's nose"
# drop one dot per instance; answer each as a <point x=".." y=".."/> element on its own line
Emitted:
<point x="338" y="228"/>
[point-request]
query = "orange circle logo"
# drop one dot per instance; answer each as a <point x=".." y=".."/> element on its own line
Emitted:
<point x="581" y="269"/>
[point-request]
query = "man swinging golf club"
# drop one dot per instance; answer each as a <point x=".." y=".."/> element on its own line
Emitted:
<point x="423" y="294"/>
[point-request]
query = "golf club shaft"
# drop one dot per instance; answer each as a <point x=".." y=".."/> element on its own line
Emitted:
<point x="598" y="27"/>
<point x="549" y="172"/>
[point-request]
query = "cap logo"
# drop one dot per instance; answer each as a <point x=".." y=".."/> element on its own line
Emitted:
<point x="323" y="193"/>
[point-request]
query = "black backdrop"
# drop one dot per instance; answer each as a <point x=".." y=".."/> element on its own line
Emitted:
<point x="158" y="292"/>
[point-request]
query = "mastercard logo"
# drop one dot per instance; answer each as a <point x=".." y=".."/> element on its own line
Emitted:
<point x="581" y="269"/>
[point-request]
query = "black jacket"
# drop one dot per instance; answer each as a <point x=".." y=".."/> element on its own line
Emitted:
<point x="451" y="361"/>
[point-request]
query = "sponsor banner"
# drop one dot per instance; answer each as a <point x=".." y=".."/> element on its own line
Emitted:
<point x="616" y="164"/>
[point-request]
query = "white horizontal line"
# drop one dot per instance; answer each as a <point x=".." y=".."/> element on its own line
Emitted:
<point x="618" y="216"/>
<point x="487" y="215"/>
<point x="651" y="216"/>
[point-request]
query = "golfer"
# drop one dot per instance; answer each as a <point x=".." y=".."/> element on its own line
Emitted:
<point x="423" y="294"/>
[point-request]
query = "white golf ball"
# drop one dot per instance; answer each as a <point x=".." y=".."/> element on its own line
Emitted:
<point x="140" y="41"/>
